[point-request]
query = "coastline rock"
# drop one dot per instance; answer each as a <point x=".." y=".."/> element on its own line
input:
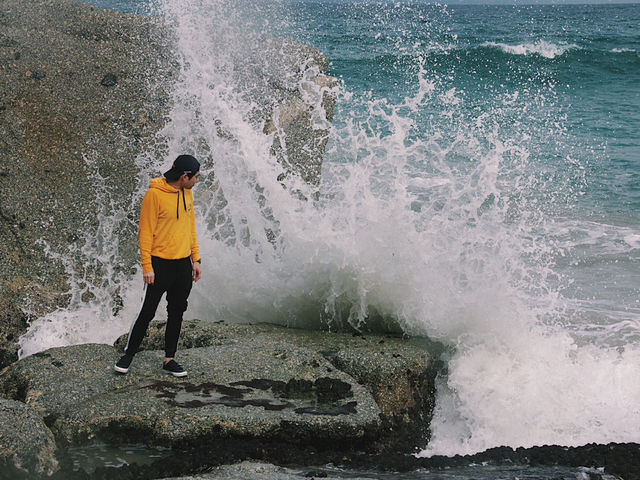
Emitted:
<point x="304" y="105"/>
<point x="239" y="403"/>
<point x="398" y="372"/>
<point x="83" y="93"/>
<point x="13" y="323"/>
<point x="27" y="446"/>
<point x="62" y="133"/>
<point x="257" y="389"/>
<point x="263" y="391"/>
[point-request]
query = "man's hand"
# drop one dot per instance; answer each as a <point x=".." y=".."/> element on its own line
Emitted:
<point x="197" y="271"/>
<point x="149" y="278"/>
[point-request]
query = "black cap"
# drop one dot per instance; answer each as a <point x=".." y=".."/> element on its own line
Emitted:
<point x="183" y="164"/>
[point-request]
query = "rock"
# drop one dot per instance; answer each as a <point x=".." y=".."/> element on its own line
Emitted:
<point x="305" y="100"/>
<point x="399" y="372"/>
<point x="83" y="91"/>
<point x="59" y="128"/>
<point x="27" y="446"/>
<point x="263" y="391"/>
<point x="262" y="471"/>
<point x="250" y="390"/>
<point x="13" y="323"/>
<point x="109" y="80"/>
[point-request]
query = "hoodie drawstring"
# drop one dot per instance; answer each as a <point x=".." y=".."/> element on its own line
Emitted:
<point x="184" y="201"/>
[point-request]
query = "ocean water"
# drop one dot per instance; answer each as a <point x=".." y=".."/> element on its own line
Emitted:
<point x="481" y="186"/>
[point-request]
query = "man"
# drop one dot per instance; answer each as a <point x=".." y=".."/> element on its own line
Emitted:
<point x="170" y="257"/>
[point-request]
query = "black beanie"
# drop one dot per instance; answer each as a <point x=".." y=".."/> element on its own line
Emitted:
<point x="183" y="164"/>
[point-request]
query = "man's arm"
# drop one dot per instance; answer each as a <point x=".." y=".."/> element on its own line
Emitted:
<point x="197" y="271"/>
<point x="146" y="228"/>
<point x="195" y="248"/>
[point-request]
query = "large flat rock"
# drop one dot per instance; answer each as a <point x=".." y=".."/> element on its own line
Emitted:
<point x="397" y="371"/>
<point x="256" y="389"/>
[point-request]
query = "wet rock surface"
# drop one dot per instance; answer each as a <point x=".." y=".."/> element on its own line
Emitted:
<point x="27" y="446"/>
<point x="316" y="398"/>
<point x="398" y="372"/>
<point x="254" y="388"/>
<point x="251" y="397"/>
<point x="268" y="391"/>
<point x="253" y="460"/>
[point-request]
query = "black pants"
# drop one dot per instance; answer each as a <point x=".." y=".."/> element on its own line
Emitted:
<point x="174" y="277"/>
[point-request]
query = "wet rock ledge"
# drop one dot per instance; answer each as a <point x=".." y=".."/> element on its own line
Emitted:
<point x="250" y="387"/>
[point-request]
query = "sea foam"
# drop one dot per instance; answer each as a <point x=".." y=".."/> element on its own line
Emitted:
<point x="540" y="47"/>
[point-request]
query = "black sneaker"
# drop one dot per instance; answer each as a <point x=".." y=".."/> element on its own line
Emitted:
<point x="174" y="368"/>
<point x="122" y="366"/>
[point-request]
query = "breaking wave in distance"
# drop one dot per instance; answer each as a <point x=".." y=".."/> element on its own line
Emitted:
<point x="541" y="47"/>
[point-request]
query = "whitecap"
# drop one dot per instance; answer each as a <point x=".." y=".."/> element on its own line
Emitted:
<point x="541" y="47"/>
<point x="623" y="50"/>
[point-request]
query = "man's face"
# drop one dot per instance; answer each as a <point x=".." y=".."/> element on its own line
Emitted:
<point x="189" y="183"/>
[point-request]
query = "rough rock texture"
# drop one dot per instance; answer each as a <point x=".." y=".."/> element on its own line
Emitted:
<point x="27" y="446"/>
<point x="83" y="92"/>
<point x="257" y="396"/>
<point x="398" y="372"/>
<point x="76" y="105"/>
<point x="256" y="389"/>
<point x="305" y="102"/>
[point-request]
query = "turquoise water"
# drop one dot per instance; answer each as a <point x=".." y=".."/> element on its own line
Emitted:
<point x="480" y="186"/>
<point x="561" y="81"/>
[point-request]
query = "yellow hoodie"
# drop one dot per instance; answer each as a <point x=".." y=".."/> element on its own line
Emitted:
<point x="167" y="224"/>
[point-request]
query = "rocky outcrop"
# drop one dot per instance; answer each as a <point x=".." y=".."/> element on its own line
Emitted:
<point x="254" y="392"/>
<point x="248" y="385"/>
<point x="76" y="104"/>
<point x="398" y="372"/>
<point x="83" y="92"/>
<point x="265" y="389"/>
<point x="304" y="101"/>
<point x="27" y="446"/>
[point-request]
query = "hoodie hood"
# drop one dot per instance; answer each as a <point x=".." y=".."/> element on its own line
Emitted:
<point x="161" y="184"/>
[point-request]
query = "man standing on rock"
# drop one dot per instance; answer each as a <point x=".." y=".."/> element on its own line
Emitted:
<point x="170" y="257"/>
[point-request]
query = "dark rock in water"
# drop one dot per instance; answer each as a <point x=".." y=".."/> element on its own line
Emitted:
<point x="109" y="80"/>
<point x="27" y="446"/>
<point x="225" y="461"/>
<point x="316" y="474"/>
<point x="620" y="459"/>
